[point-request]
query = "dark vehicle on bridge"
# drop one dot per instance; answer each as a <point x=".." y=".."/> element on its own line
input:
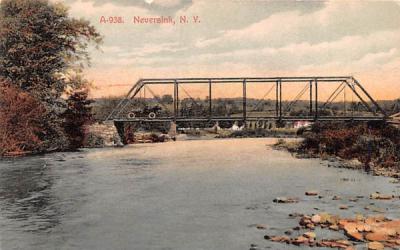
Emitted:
<point x="150" y="112"/>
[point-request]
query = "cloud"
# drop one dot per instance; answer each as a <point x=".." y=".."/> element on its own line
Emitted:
<point x="250" y="37"/>
<point x="87" y="9"/>
<point x="154" y="5"/>
<point x="149" y="49"/>
<point x="329" y="23"/>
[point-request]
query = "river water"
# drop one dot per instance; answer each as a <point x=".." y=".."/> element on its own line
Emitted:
<point x="193" y="194"/>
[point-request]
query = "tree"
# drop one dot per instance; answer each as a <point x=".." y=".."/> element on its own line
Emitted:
<point x="167" y="99"/>
<point x="20" y="120"/>
<point x="43" y="52"/>
<point x="40" y="46"/>
<point x="76" y="117"/>
<point x="396" y="106"/>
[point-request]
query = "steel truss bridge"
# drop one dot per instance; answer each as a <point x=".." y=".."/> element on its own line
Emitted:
<point x="366" y="108"/>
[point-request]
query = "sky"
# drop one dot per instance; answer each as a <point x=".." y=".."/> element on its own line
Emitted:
<point x="244" y="38"/>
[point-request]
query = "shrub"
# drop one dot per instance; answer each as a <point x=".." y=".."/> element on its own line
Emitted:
<point x="20" y="121"/>
<point x="76" y="118"/>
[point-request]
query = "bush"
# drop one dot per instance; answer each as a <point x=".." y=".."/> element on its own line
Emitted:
<point x="76" y="118"/>
<point x="94" y="141"/>
<point x="20" y="121"/>
<point x="373" y="142"/>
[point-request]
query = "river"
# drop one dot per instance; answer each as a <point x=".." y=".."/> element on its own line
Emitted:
<point x="192" y="194"/>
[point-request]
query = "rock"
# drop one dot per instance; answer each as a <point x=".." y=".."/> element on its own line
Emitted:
<point x="343" y="207"/>
<point x="367" y="228"/>
<point x="336" y="198"/>
<point x="375" y="246"/>
<point x="355" y="236"/>
<point x="294" y="215"/>
<point x="316" y="219"/>
<point x="334" y="227"/>
<point x="310" y="235"/>
<point x="379" y="196"/>
<point x="375" y="219"/>
<point x="354" y="163"/>
<point x="311" y="193"/>
<point x="324" y="225"/>
<point x="253" y="247"/>
<point x="329" y="219"/>
<point x="285" y="200"/>
<point x="344" y="242"/>
<point x="325" y="217"/>
<point x="334" y="243"/>
<point x="289" y="232"/>
<point x="363" y="228"/>
<point x="385" y="229"/>
<point x="352" y="232"/>
<point x="304" y="221"/>
<point x="310" y="226"/>
<point x="376" y="236"/>
<point x="261" y="226"/>
<point x="278" y="239"/>
<point x="360" y="217"/>
<point x="299" y="240"/>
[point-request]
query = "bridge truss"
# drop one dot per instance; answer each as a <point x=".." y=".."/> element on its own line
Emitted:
<point x="362" y="107"/>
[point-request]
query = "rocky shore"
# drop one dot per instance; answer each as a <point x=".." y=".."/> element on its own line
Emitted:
<point x="373" y="148"/>
<point x="373" y="231"/>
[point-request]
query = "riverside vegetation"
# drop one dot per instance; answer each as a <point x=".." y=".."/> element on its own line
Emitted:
<point x="43" y="94"/>
<point x="374" y="147"/>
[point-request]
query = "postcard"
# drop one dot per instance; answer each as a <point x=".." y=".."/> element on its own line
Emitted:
<point x="199" y="124"/>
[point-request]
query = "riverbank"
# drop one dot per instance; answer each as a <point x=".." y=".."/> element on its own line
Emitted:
<point x="374" y="148"/>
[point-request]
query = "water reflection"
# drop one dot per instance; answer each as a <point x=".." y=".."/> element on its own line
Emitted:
<point x="25" y="194"/>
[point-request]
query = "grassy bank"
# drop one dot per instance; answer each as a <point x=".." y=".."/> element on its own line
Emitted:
<point x="374" y="147"/>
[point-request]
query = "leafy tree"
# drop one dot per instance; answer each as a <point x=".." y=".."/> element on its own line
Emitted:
<point x="76" y="117"/>
<point x="43" y="52"/>
<point x="167" y="99"/>
<point x="396" y="106"/>
<point x="40" y="45"/>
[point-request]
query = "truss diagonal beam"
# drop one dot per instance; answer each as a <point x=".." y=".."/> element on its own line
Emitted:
<point x="262" y="99"/>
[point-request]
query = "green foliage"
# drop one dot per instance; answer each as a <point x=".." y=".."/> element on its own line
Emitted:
<point x="167" y="99"/>
<point x="102" y="107"/>
<point x="43" y="52"/>
<point x="94" y="141"/>
<point x="76" y="117"/>
<point x="40" y="46"/>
